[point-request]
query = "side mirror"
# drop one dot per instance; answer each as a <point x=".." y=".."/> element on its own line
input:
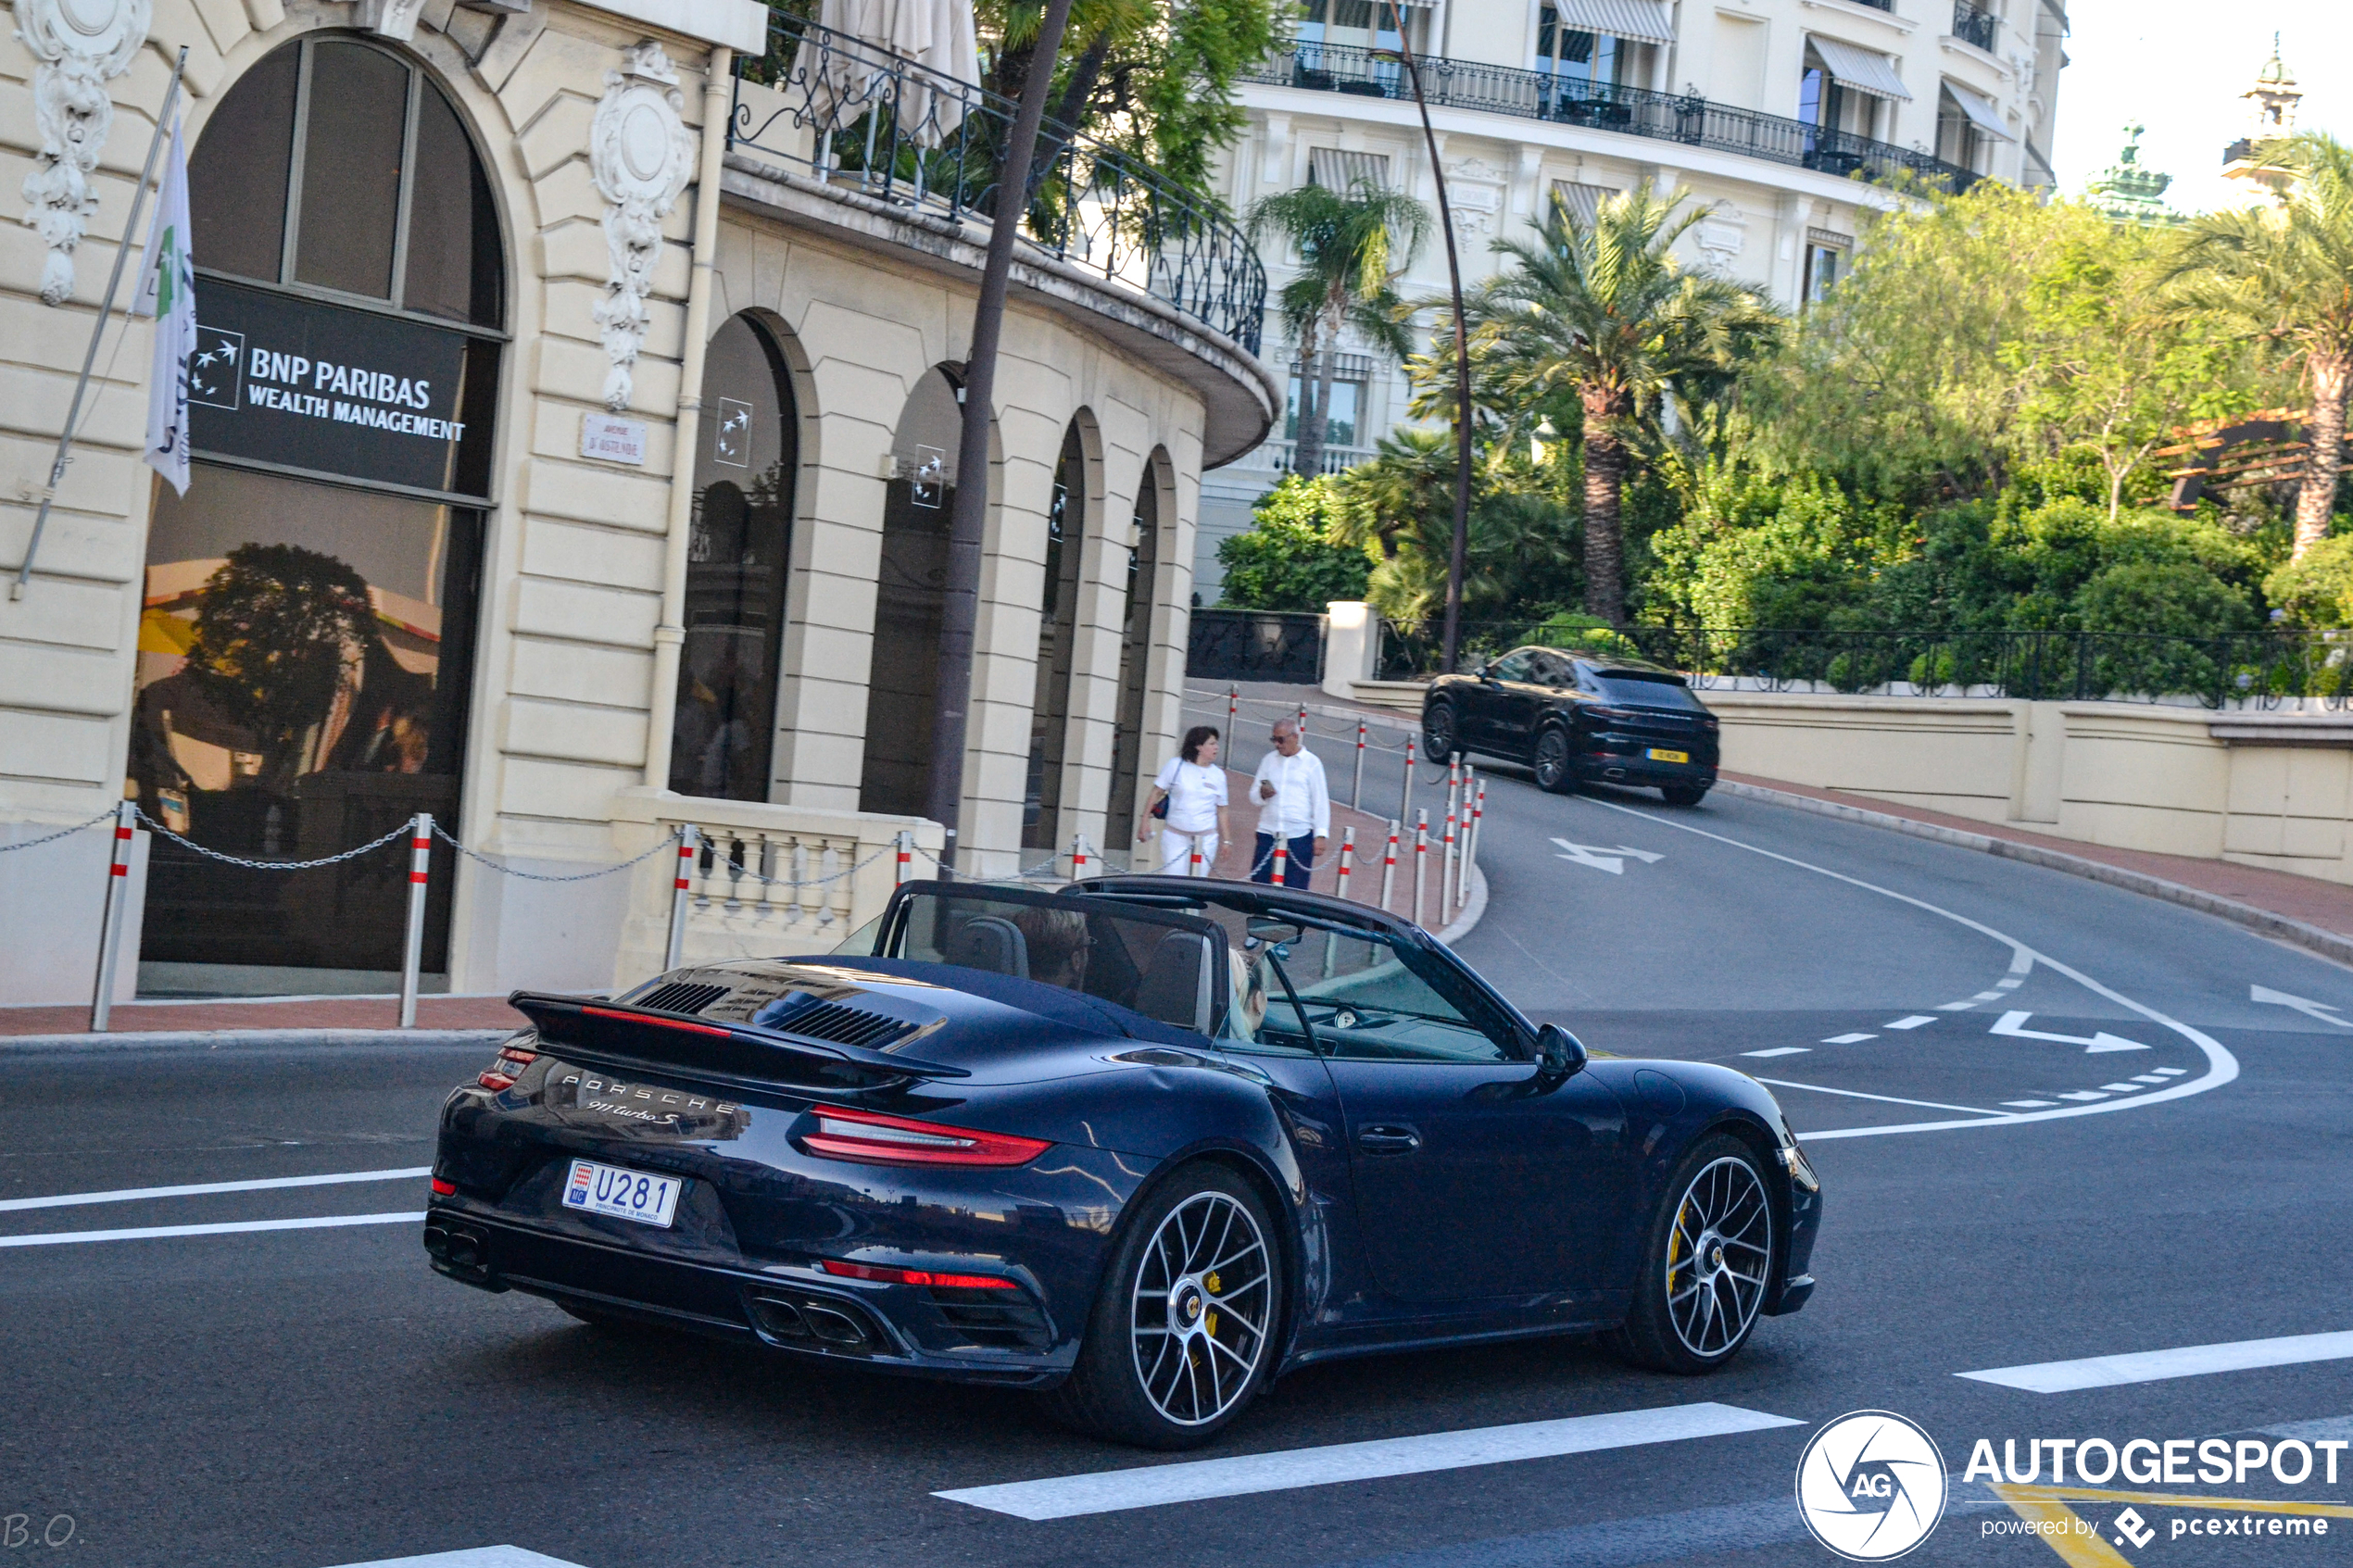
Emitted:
<point x="1559" y="1054"/>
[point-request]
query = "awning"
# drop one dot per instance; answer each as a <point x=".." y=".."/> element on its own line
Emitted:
<point x="1980" y="109"/>
<point x="1864" y="71"/>
<point x="1645" y="22"/>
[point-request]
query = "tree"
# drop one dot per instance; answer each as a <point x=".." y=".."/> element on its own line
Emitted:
<point x="2284" y="274"/>
<point x="277" y="632"/>
<point x="1607" y="310"/>
<point x="1351" y="247"/>
<point x="1290" y="559"/>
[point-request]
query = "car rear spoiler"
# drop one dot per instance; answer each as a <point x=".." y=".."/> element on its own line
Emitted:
<point x="617" y="1035"/>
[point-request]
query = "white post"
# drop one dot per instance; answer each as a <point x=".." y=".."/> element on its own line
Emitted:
<point x="689" y="848"/>
<point x="905" y="839"/>
<point x="1470" y="840"/>
<point x="1077" y="857"/>
<point x="413" y="956"/>
<point x="126" y="819"/>
<point x="1446" y="867"/>
<point x="1347" y="859"/>
<point x="1357" y="789"/>
<point x="1405" y="801"/>
<point x="1279" y="873"/>
<point x="1421" y="859"/>
<point x="1389" y="865"/>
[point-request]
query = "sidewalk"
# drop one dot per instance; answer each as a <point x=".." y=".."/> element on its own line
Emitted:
<point x="2301" y="910"/>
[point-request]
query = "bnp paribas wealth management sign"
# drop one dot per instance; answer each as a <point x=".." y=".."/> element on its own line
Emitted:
<point x="327" y="389"/>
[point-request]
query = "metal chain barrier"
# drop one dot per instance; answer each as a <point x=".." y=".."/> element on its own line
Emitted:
<point x="271" y="865"/>
<point x="61" y="833"/>
<point x="442" y="834"/>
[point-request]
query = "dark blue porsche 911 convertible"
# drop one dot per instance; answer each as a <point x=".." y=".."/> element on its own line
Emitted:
<point x="1143" y="1142"/>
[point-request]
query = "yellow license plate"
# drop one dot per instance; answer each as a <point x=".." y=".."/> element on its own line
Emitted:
<point x="1659" y="756"/>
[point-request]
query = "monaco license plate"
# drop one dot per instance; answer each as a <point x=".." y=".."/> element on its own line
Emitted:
<point x="625" y="1194"/>
<point x="1661" y="755"/>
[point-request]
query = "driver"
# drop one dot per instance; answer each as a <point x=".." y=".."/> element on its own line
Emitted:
<point x="1058" y="946"/>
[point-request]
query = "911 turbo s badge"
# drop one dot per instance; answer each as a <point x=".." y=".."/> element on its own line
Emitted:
<point x="668" y="1112"/>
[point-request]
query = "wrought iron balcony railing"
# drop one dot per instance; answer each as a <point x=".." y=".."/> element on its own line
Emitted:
<point x="1973" y="26"/>
<point x="853" y="116"/>
<point x="1633" y="111"/>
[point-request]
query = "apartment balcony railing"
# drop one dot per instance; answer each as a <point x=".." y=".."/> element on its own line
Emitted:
<point x="1633" y="111"/>
<point x="860" y="118"/>
<point x="1973" y="26"/>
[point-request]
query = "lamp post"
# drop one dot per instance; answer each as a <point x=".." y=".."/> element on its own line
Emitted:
<point x="1461" y="353"/>
<point x="967" y="525"/>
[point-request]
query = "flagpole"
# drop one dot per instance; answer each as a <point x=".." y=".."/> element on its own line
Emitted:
<point x="105" y="309"/>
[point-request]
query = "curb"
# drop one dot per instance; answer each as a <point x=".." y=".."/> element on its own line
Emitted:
<point x="215" y="1039"/>
<point x="1473" y="907"/>
<point x="2328" y="944"/>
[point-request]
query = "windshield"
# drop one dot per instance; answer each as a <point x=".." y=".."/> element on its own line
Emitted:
<point x="1158" y="963"/>
<point x="1633" y="691"/>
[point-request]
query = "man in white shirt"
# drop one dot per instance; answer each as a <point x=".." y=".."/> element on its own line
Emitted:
<point x="1294" y="807"/>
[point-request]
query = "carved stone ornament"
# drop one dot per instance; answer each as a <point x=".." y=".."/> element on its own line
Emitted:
<point x="395" y="20"/>
<point x="81" y="45"/>
<point x="640" y="155"/>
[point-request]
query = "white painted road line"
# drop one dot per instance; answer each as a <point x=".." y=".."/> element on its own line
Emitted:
<point x="132" y="1195"/>
<point x="143" y="1233"/>
<point x="1956" y="1007"/>
<point x="1848" y="1039"/>
<point x="1888" y="1099"/>
<point x="2155" y="1366"/>
<point x="481" y="1557"/>
<point x="1782" y="1050"/>
<point x="1914" y="1021"/>
<point x="1111" y="1491"/>
<point x="2028" y="1104"/>
<point x="2222" y="1067"/>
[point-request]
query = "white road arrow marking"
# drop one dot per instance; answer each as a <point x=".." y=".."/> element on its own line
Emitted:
<point x="2324" y="1011"/>
<point x="1603" y="860"/>
<point x="2014" y="1025"/>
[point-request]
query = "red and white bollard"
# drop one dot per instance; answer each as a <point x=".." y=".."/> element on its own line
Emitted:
<point x="1357" y="789"/>
<point x="906" y="856"/>
<point x="1279" y="873"/>
<point x="689" y="848"/>
<point x="1077" y="857"/>
<point x="412" y="956"/>
<point x="126" y="818"/>
<point x="1347" y="860"/>
<point x="1447" y="868"/>
<point x="1470" y="849"/>
<point x="1194" y="866"/>
<point x="1389" y="866"/>
<point x="1405" y="801"/>
<point x="1421" y="859"/>
<point x="1233" y="706"/>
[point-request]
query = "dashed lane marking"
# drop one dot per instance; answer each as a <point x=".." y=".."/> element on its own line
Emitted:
<point x="1848" y="1039"/>
<point x="2222" y="1067"/>
<point x="1112" y="1491"/>
<point x="132" y="1195"/>
<point x="1953" y="1007"/>
<point x="144" y="1233"/>
<point x="2010" y="983"/>
<point x="1887" y="1100"/>
<point x="2028" y="1104"/>
<point x="1782" y="1050"/>
<point x="1914" y="1021"/>
<point x="2156" y="1366"/>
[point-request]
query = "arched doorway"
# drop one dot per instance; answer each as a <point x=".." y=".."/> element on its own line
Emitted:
<point x="902" y="676"/>
<point x="1135" y="658"/>
<point x="738" y="557"/>
<point x="306" y="645"/>
<point x="1057" y="646"/>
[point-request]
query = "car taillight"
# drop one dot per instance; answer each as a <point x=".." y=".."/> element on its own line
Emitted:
<point x="914" y="1276"/>
<point x="1614" y="714"/>
<point x="443" y="1189"/>
<point x="507" y="1065"/>
<point x="896" y="1140"/>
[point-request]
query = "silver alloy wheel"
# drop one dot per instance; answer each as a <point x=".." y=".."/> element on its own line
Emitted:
<point x="1552" y="759"/>
<point x="1198" y="1317"/>
<point x="1438" y="733"/>
<point x="1717" y="1256"/>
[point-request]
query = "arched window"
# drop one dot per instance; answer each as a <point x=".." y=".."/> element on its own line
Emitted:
<point x="306" y="646"/>
<point x="738" y="559"/>
<point x="1057" y="646"/>
<point x="1134" y="659"/>
<point x="902" y="679"/>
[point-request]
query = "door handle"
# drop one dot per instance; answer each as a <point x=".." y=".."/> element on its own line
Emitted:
<point x="1389" y="1140"/>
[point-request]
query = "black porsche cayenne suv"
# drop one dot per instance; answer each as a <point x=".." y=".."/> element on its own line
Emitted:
<point x="1578" y="718"/>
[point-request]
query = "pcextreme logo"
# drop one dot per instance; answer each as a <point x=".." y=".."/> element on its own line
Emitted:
<point x="1870" y="1486"/>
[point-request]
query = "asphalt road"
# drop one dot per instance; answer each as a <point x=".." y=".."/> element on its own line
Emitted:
<point x="301" y="1397"/>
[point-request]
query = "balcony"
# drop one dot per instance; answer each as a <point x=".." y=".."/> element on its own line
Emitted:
<point x="1630" y="111"/>
<point x="863" y="121"/>
<point x="1973" y="26"/>
<point x="1277" y="457"/>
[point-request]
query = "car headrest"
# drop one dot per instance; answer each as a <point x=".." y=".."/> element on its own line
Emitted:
<point x="1170" y="991"/>
<point x="990" y="943"/>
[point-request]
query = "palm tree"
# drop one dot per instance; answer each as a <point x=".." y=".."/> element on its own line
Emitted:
<point x="1606" y="310"/>
<point x="1352" y="246"/>
<point x="2284" y="273"/>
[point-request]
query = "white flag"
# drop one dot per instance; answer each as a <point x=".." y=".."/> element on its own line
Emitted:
<point x="168" y="292"/>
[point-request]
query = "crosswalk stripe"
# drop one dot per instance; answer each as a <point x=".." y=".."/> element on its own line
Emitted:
<point x="132" y="1195"/>
<point x="1110" y="1491"/>
<point x="143" y="1233"/>
<point x="2154" y="1366"/>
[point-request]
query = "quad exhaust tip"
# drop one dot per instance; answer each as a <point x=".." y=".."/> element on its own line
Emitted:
<point x="814" y="1322"/>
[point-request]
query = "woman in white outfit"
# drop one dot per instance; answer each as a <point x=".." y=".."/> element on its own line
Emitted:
<point x="1194" y="786"/>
